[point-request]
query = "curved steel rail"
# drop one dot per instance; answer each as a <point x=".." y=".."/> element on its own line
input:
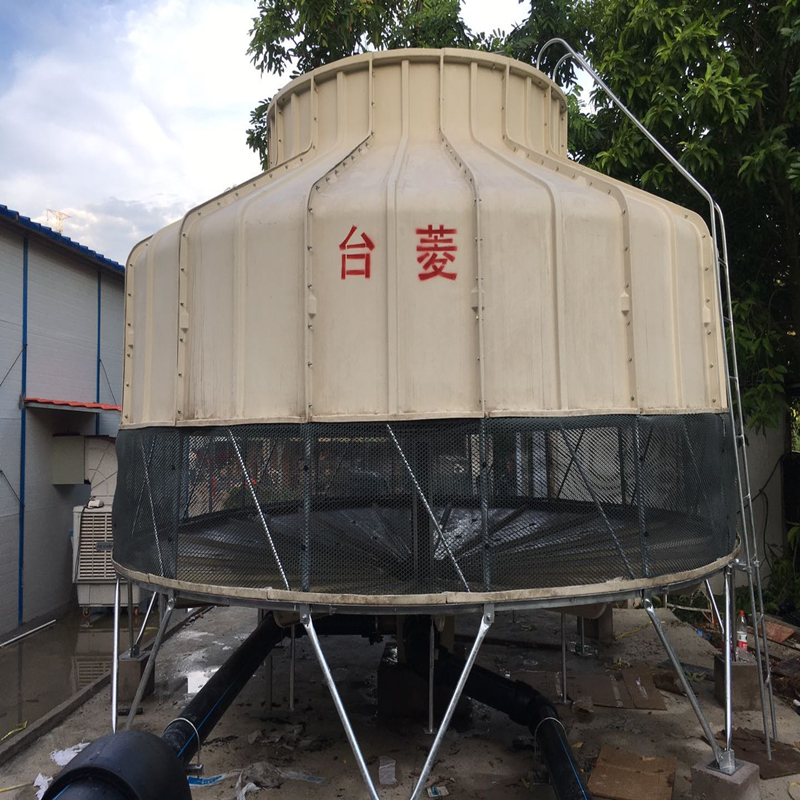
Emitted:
<point x="733" y="389"/>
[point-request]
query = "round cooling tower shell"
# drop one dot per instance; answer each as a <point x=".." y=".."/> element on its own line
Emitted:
<point x="424" y="359"/>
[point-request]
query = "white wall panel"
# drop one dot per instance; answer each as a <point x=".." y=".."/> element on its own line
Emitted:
<point x="48" y="513"/>
<point x="10" y="347"/>
<point x="62" y="326"/>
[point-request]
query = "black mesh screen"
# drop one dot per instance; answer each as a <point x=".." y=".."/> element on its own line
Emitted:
<point x="426" y="506"/>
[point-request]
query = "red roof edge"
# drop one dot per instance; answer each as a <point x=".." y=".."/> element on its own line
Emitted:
<point x="72" y="404"/>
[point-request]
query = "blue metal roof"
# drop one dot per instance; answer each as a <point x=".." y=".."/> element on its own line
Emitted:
<point x="58" y="238"/>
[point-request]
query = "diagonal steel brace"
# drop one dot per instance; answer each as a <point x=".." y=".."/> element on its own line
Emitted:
<point x="427" y="507"/>
<point x="487" y="619"/>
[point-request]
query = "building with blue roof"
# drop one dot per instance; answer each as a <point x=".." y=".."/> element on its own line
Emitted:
<point x="61" y="353"/>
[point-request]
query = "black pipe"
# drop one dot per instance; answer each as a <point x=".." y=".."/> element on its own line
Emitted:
<point x="521" y="702"/>
<point x="136" y="765"/>
<point x="131" y="765"/>
<point x="213" y="700"/>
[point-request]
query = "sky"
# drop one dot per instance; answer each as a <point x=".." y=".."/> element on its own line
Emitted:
<point x="124" y="114"/>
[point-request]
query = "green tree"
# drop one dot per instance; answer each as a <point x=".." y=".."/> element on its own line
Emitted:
<point x="304" y="34"/>
<point x="718" y="81"/>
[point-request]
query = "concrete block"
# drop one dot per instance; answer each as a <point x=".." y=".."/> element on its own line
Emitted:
<point x="602" y="627"/>
<point x="708" y="783"/>
<point x="744" y="684"/>
<point x="130" y="673"/>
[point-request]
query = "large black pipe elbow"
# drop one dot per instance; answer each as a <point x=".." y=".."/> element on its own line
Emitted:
<point x="131" y="765"/>
<point x="135" y="765"/>
<point x="521" y="702"/>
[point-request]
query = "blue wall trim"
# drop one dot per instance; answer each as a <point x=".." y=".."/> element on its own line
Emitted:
<point x="99" y="319"/>
<point x="22" y="424"/>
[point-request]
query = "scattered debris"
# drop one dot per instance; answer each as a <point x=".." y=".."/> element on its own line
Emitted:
<point x="387" y="771"/>
<point x="18" y="729"/>
<point x="749" y="746"/>
<point x="632" y="632"/>
<point x="12" y="788"/>
<point x="217" y="739"/>
<point x="41" y="783"/>
<point x="583" y="706"/>
<point x="211" y="780"/>
<point x="63" y="757"/>
<point x="299" y="775"/>
<point x="667" y="680"/>
<point x="693" y="672"/>
<point x="253" y="737"/>
<point x="621" y="775"/>
<point x="261" y="775"/>
<point x="777" y="632"/>
<point x="639" y="683"/>
<point x="789" y="668"/>
<point x="546" y="683"/>
<point x="438" y="791"/>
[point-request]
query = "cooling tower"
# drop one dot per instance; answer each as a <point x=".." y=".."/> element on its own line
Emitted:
<point x="424" y="360"/>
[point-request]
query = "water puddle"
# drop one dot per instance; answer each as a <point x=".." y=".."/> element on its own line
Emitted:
<point x="49" y="666"/>
<point x="197" y="679"/>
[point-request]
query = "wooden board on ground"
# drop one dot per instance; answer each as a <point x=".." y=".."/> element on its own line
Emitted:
<point x="622" y="775"/>
<point x="546" y="683"/>
<point x="788" y="668"/>
<point x="603" y="690"/>
<point x="630" y="688"/>
<point x="778" y="632"/>
<point x="639" y="682"/>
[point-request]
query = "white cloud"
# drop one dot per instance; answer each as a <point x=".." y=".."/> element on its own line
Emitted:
<point x="128" y="115"/>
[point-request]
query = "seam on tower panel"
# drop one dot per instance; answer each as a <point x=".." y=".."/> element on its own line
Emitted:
<point x="148" y="336"/>
<point x="473" y="109"/>
<point x="308" y="245"/>
<point x="676" y="324"/>
<point x="558" y="278"/>
<point x="392" y="339"/>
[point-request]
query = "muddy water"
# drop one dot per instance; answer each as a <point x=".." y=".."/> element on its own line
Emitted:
<point x="48" y="667"/>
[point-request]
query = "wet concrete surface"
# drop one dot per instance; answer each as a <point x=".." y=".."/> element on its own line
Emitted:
<point x="485" y="757"/>
<point x="46" y="668"/>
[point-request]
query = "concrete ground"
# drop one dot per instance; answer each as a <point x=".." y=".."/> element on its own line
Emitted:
<point x="484" y="758"/>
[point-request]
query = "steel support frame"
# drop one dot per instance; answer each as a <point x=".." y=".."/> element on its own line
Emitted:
<point x="724" y="758"/>
<point x="487" y="619"/>
<point x="115" y="660"/>
<point x="150" y="665"/>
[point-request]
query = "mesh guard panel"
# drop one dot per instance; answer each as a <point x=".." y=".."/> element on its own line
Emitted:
<point x="426" y="506"/>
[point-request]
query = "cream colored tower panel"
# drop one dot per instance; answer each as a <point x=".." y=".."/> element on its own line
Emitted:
<point x="503" y="279"/>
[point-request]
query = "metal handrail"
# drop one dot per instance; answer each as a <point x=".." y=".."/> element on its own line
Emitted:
<point x="733" y="389"/>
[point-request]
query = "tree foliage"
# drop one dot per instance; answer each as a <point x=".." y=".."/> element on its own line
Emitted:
<point x="718" y="81"/>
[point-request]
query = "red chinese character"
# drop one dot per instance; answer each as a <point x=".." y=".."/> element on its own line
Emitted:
<point x="356" y="251"/>
<point x="436" y="249"/>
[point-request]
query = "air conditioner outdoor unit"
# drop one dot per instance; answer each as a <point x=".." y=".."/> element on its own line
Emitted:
<point x="92" y="570"/>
